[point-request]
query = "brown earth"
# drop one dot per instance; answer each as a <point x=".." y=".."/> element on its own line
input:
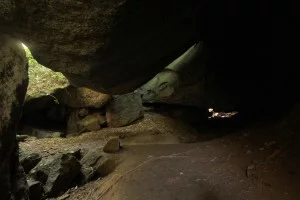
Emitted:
<point x="257" y="161"/>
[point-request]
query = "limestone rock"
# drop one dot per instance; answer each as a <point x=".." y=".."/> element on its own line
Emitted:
<point x="35" y="189"/>
<point x="124" y="109"/>
<point x="78" y="125"/>
<point x="81" y="97"/>
<point x="112" y="146"/>
<point x="56" y="173"/>
<point x="180" y="83"/>
<point x="29" y="161"/>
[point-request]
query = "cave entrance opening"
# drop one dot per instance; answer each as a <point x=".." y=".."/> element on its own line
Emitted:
<point x="43" y="114"/>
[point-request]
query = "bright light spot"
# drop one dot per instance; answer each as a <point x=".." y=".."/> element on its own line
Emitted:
<point x="24" y="46"/>
<point x="221" y="114"/>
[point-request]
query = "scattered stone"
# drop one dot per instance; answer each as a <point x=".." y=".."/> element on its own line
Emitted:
<point x="124" y="109"/>
<point x="35" y="189"/>
<point x="29" y="161"/>
<point x="56" y="173"/>
<point x="112" y="146"/>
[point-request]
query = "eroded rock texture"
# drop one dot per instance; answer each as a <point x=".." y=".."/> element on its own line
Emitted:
<point x="13" y="84"/>
<point x="110" y="46"/>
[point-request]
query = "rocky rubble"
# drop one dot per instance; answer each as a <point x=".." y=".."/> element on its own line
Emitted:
<point x="52" y="175"/>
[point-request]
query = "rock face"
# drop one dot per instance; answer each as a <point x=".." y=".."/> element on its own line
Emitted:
<point x="181" y="83"/>
<point x="124" y="109"/>
<point x="13" y="83"/>
<point x="56" y="173"/>
<point x="89" y="38"/>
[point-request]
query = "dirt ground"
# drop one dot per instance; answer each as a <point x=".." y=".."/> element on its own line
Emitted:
<point x="164" y="159"/>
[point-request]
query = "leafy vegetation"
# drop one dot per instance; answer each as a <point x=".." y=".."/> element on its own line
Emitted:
<point x="42" y="81"/>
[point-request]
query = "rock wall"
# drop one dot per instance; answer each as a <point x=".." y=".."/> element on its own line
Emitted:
<point x="13" y="84"/>
<point x="110" y="46"/>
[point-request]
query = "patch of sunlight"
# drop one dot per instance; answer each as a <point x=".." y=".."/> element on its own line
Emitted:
<point x="42" y="80"/>
<point x="221" y="114"/>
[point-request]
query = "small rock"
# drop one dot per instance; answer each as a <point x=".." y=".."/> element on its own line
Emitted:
<point x="35" y="189"/>
<point x="112" y="146"/>
<point x="262" y="149"/>
<point x="29" y="161"/>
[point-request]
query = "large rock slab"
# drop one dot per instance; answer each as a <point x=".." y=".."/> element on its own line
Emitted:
<point x="56" y="173"/>
<point x="181" y="83"/>
<point x="124" y="109"/>
<point x="81" y="97"/>
<point x="102" y="44"/>
<point x="13" y="84"/>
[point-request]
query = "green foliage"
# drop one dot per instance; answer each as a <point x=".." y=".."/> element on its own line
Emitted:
<point x="42" y="81"/>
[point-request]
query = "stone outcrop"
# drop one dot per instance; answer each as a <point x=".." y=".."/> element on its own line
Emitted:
<point x="13" y="84"/>
<point x="180" y="83"/>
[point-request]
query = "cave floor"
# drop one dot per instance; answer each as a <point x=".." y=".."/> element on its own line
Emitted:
<point x="260" y="161"/>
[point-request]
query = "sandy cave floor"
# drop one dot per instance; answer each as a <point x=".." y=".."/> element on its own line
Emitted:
<point x="163" y="159"/>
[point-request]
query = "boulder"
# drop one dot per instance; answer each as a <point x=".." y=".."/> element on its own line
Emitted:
<point x="29" y="161"/>
<point x="35" y="189"/>
<point x="124" y="109"/>
<point x="105" y="166"/>
<point x="102" y="163"/>
<point x="91" y="158"/>
<point x="86" y="175"/>
<point x="81" y="97"/>
<point x="13" y="84"/>
<point x="112" y="146"/>
<point x="77" y="125"/>
<point x="56" y="173"/>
